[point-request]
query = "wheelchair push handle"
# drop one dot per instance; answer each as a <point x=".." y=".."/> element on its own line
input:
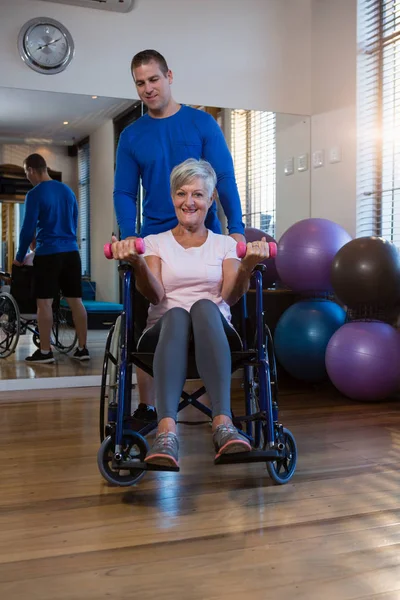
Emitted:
<point x="241" y="249"/>
<point x="139" y="247"/>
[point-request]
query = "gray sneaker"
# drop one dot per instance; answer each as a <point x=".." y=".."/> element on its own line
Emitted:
<point x="227" y="440"/>
<point x="164" y="451"/>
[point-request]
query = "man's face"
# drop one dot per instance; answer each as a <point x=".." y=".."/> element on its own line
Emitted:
<point x="153" y="86"/>
<point x="28" y="173"/>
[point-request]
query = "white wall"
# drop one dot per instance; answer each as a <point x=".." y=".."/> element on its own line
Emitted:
<point x="334" y="55"/>
<point x="252" y="54"/>
<point x="56" y="157"/>
<point x="289" y="56"/>
<point x="293" y="137"/>
<point x="102" y="218"/>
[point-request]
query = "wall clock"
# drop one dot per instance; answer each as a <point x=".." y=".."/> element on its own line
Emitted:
<point x="45" y="45"/>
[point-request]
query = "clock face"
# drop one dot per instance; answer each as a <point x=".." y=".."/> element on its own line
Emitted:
<point x="46" y="45"/>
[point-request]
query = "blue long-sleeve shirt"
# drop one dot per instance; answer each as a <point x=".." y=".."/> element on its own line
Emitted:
<point x="51" y="210"/>
<point x="149" y="149"/>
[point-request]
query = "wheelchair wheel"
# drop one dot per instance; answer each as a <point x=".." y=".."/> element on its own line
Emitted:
<point x="281" y="471"/>
<point x="134" y="447"/>
<point x="257" y="429"/>
<point x="64" y="336"/>
<point x="272" y="364"/>
<point x="9" y="325"/>
<point x="36" y="339"/>
<point x="109" y="378"/>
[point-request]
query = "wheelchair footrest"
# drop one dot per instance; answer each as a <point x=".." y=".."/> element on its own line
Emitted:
<point x="248" y="457"/>
<point x="144" y="466"/>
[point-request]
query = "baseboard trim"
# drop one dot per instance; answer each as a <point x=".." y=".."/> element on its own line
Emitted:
<point x="52" y="383"/>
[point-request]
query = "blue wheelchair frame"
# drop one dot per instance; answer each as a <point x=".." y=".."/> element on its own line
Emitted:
<point x="279" y="447"/>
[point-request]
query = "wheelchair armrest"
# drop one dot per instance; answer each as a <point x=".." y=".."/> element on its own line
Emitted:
<point x="122" y="268"/>
<point x="261" y="268"/>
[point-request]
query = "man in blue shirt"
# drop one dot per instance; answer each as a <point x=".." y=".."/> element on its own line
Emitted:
<point x="51" y="210"/>
<point x="148" y="150"/>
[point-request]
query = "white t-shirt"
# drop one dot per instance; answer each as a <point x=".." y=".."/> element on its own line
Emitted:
<point x="189" y="274"/>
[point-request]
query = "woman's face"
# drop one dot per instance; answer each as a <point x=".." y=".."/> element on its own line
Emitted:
<point x="191" y="202"/>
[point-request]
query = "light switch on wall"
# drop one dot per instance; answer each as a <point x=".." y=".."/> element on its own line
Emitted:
<point x="289" y="166"/>
<point x="335" y="154"/>
<point x="318" y="159"/>
<point x="302" y="162"/>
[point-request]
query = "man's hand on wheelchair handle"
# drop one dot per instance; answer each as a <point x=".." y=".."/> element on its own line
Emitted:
<point x="17" y="263"/>
<point x="256" y="253"/>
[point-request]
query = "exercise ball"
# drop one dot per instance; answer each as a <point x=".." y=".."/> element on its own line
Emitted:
<point x="367" y="271"/>
<point x="363" y="359"/>
<point x="270" y="276"/>
<point x="302" y="335"/>
<point x="305" y="254"/>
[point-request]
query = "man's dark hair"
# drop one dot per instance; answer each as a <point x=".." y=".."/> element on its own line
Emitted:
<point x="146" y="56"/>
<point x="35" y="161"/>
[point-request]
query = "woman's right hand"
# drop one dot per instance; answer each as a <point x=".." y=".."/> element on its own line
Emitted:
<point x="125" y="250"/>
<point x="256" y="252"/>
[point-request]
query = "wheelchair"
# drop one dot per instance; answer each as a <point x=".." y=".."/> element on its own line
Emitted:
<point x="18" y="315"/>
<point x="122" y="451"/>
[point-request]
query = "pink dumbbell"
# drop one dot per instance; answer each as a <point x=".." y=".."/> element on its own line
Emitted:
<point x="241" y="249"/>
<point x="139" y="247"/>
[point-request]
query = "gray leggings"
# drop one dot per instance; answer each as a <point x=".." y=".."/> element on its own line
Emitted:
<point x="213" y="339"/>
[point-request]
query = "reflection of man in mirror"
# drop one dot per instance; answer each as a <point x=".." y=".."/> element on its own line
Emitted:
<point x="149" y="149"/>
<point x="51" y="210"/>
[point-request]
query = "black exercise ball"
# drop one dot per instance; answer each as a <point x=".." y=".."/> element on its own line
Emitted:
<point x="366" y="271"/>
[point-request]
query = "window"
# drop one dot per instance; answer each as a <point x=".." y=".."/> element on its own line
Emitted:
<point x="84" y="207"/>
<point x="253" y="147"/>
<point x="378" y="152"/>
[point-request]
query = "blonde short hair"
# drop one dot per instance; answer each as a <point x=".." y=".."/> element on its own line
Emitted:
<point x="191" y="169"/>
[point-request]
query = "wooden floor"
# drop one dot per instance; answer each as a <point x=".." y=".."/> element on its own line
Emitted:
<point x="208" y="532"/>
<point x="15" y="366"/>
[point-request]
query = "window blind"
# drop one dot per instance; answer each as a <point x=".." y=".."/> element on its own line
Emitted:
<point x="378" y="144"/>
<point x="253" y="147"/>
<point x="84" y="207"/>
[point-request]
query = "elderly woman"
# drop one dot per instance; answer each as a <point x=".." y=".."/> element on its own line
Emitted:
<point x="191" y="276"/>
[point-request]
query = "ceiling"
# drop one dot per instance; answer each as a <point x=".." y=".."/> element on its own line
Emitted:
<point x="115" y="5"/>
<point x="29" y="116"/>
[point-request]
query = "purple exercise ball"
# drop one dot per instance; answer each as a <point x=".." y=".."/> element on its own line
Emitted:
<point x="306" y="252"/>
<point x="363" y="359"/>
<point x="270" y="277"/>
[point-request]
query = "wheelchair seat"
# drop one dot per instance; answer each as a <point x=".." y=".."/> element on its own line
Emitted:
<point x="144" y="360"/>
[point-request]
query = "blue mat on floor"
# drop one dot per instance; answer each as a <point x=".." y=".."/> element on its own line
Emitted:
<point x="101" y="315"/>
<point x="109" y="307"/>
<point x="99" y="307"/>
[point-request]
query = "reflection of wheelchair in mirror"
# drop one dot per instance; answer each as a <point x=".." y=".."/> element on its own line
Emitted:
<point x="18" y="314"/>
<point x="122" y="451"/>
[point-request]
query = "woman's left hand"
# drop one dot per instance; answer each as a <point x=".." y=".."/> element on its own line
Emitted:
<point x="256" y="253"/>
